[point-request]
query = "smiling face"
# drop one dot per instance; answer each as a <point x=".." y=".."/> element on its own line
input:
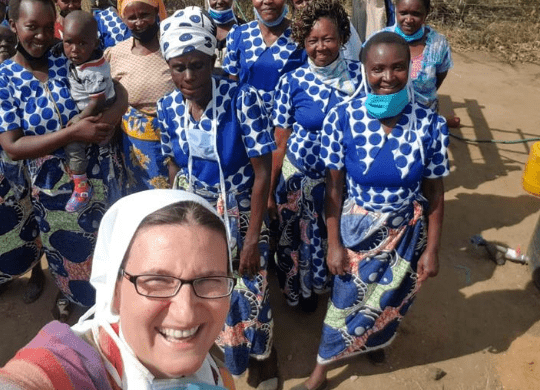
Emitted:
<point x="221" y="5"/>
<point x="270" y="10"/>
<point x="80" y="40"/>
<point x="66" y="6"/>
<point x="410" y="15"/>
<point x="172" y="336"/>
<point x="298" y="4"/>
<point x="192" y="75"/>
<point x="35" y="27"/>
<point x="138" y="16"/>
<point x="323" y="43"/>
<point x="387" y="68"/>
<point x="8" y="41"/>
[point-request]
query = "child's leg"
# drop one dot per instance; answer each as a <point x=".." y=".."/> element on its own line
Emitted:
<point x="82" y="191"/>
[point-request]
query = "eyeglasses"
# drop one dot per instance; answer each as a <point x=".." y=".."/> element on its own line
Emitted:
<point x="163" y="286"/>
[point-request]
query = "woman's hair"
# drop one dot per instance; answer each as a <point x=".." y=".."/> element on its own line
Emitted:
<point x="180" y="213"/>
<point x="426" y="3"/>
<point x="314" y="10"/>
<point x="385" y="37"/>
<point x="15" y="6"/>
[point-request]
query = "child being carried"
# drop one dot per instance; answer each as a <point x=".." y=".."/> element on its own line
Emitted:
<point x="92" y="89"/>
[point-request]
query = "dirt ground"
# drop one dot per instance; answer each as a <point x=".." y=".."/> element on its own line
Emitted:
<point x="477" y="323"/>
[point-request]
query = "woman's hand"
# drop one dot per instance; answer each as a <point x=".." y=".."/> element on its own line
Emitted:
<point x="337" y="261"/>
<point x="250" y="259"/>
<point x="428" y="265"/>
<point x="90" y="130"/>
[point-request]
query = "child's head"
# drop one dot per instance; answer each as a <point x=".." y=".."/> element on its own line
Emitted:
<point x="80" y="36"/>
<point x="67" y="6"/>
<point x="8" y="41"/>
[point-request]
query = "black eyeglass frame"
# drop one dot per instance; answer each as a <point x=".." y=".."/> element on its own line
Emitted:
<point x="133" y="279"/>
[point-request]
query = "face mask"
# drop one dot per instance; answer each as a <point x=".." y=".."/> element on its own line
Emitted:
<point x="410" y="38"/>
<point x="387" y="106"/>
<point x="27" y="56"/>
<point x="146" y="35"/>
<point x="276" y="22"/>
<point x="222" y="17"/>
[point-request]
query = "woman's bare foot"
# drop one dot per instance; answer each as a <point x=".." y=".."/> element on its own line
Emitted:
<point x="316" y="381"/>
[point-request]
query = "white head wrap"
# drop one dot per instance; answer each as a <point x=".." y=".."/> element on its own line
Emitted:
<point x="187" y="30"/>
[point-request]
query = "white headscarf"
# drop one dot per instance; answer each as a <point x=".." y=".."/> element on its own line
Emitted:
<point x="187" y="30"/>
<point x="116" y="231"/>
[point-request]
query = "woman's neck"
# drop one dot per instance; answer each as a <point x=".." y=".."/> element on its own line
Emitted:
<point x="223" y="30"/>
<point x="197" y="106"/>
<point x="38" y="67"/>
<point x="145" y="48"/>
<point x="389" y="123"/>
<point x="271" y="34"/>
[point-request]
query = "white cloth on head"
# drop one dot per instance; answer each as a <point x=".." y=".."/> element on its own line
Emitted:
<point x="187" y="30"/>
<point x="116" y="231"/>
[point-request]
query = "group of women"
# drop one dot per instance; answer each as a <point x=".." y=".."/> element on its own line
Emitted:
<point x="347" y="158"/>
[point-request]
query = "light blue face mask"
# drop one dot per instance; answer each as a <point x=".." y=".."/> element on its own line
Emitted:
<point x="276" y="22"/>
<point x="222" y="17"/>
<point x="410" y="38"/>
<point x="387" y="106"/>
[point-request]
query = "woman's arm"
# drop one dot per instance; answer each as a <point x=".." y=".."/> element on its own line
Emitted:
<point x="173" y="170"/>
<point x="428" y="264"/>
<point x="282" y="136"/>
<point x="20" y="147"/>
<point x="440" y="78"/>
<point x="250" y="258"/>
<point x="336" y="258"/>
<point x="114" y="113"/>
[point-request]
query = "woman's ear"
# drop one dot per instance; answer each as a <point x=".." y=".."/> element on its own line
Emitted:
<point x="115" y="305"/>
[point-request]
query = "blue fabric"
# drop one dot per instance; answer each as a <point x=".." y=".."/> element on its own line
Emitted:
<point x="68" y="238"/>
<point x="222" y="17"/>
<point x="386" y="106"/>
<point x="111" y="28"/>
<point x="260" y="66"/>
<point x="244" y="132"/>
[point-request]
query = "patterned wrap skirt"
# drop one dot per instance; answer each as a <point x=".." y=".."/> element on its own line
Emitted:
<point x="248" y="330"/>
<point x="301" y="247"/>
<point x="69" y="238"/>
<point x="20" y="243"/>
<point x="367" y="304"/>
<point x="144" y="161"/>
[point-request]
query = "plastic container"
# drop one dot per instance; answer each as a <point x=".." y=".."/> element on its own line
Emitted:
<point x="531" y="174"/>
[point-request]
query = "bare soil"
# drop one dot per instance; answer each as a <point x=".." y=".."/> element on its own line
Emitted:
<point x="476" y="323"/>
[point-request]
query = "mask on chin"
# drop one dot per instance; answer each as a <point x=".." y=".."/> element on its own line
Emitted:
<point x="146" y="35"/>
<point x="29" y="57"/>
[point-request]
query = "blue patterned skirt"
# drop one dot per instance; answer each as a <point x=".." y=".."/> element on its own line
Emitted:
<point x="20" y="244"/>
<point x="367" y="305"/>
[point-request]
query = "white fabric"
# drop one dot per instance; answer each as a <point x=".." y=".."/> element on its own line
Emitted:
<point x="351" y="50"/>
<point x="90" y="78"/>
<point x="186" y="30"/>
<point x="116" y="230"/>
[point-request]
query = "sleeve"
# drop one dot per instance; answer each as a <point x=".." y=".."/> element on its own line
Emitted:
<point x="231" y="60"/>
<point x="22" y="375"/>
<point x="9" y="110"/>
<point x="107" y="54"/>
<point x="283" y="112"/>
<point x="254" y="122"/>
<point x="332" y="149"/>
<point x="437" y="164"/>
<point x="446" y="63"/>
<point x="166" y="144"/>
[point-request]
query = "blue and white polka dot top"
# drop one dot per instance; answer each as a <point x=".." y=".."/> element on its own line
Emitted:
<point x="35" y="107"/>
<point x="244" y="132"/>
<point x="384" y="172"/>
<point x="301" y="103"/>
<point x="260" y="66"/>
<point x="111" y="28"/>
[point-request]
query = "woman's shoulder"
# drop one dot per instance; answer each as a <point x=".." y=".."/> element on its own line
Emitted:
<point x="121" y="48"/>
<point x="435" y="38"/>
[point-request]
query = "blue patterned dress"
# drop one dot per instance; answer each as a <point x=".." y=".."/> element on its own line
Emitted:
<point x="20" y="244"/>
<point x="383" y="223"/>
<point x="68" y="238"/>
<point x="111" y="29"/>
<point x="301" y="103"/>
<point x="243" y="133"/>
<point x="260" y="66"/>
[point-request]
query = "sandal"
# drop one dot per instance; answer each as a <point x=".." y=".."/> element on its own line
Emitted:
<point x="79" y="200"/>
<point x="35" y="285"/>
<point x="62" y="308"/>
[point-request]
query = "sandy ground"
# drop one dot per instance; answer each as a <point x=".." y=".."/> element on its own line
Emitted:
<point x="476" y="322"/>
